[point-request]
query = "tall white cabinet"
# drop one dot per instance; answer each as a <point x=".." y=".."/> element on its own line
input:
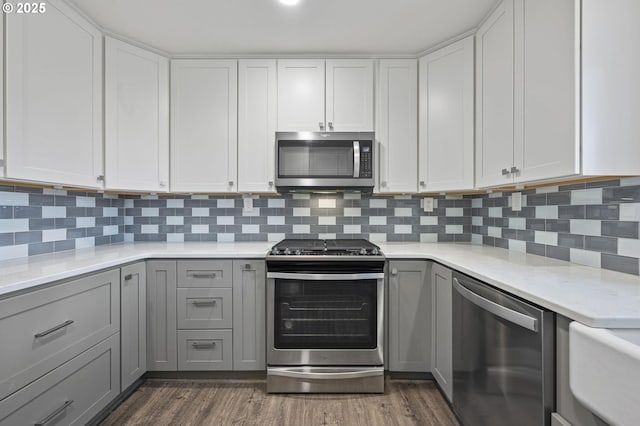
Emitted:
<point x="256" y="125"/>
<point x="319" y="95"/>
<point x="2" y="96"/>
<point x="397" y="125"/>
<point x="54" y="97"/>
<point x="446" y="118"/>
<point x="136" y="118"/>
<point x="204" y="125"/>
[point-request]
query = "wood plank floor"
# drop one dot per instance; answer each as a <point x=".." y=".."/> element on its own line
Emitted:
<point x="246" y="403"/>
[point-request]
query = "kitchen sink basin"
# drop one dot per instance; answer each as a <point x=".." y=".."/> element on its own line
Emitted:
<point x="604" y="371"/>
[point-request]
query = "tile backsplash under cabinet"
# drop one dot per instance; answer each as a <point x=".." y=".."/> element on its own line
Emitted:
<point x="593" y="223"/>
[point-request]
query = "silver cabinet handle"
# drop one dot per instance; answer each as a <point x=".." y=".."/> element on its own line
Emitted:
<point x="330" y="125"/>
<point x="53" y="415"/>
<point x="503" y="312"/>
<point x="100" y="178"/>
<point x="514" y="169"/>
<point x="230" y="183"/>
<point x="199" y="303"/>
<point x="356" y="159"/>
<point x="128" y="277"/>
<point x="52" y="329"/>
<point x="203" y="276"/>
<point x="270" y="183"/>
<point x="394" y="271"/>
<point x="203" y="345"/>
<point x="163" y="183"/>
<point x="247" y="266"/>
<point x="505" y="172"/>
<point x="422" y="183"/>
<point x="294" y="373"/>
<point x="321" y="125"/>
<point x="324" y="277"/>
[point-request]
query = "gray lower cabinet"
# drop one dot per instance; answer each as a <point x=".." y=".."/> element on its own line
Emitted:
<point x="71" y="394"/>
<point x="203" y="350"/>
<point x="202" y="308"/>
<point x="442" y="337"/>
<point x="161" y="316"/>
<point x="205" y="273"/>
<point x="249" y="316"/>
<point x="133" y="319"/>
<point x="45" y="328"/>
<point x="410" y="317"/>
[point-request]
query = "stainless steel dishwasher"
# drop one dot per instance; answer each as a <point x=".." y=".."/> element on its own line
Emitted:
<point x="503" y="357"/>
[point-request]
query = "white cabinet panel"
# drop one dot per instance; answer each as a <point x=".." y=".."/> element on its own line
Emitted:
<point x="256" y="125"/>
<point x="494" y="97"/>
<point x="54" y="97"/>
<point x="398" y="125"/>
<point x="204" y="125"/>
<point x="133" y="323"/>
<point x="546" y="104"/>
<point x="301" y="95"/>
<point x="2" y="97"/>
<point x="610" y="87"/>
<point x="446" y="118"/>
<point x="442" y="353"/>
<point x="349" y="94"/>
<point x="136" y="118"/>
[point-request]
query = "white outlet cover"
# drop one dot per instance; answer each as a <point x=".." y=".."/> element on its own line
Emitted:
<point x="516" y="201"/>
<point x="427" y="205"/>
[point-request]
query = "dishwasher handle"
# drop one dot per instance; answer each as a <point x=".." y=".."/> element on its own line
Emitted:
<point x="503" y="312"/>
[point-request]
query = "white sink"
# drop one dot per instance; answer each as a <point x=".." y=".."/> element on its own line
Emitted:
<point x="604" y="371"/>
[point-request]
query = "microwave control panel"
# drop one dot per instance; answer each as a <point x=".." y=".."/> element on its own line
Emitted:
<point x="366" y="160"/>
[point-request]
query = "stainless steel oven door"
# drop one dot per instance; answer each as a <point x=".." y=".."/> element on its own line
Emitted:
<point x="325" y="319"/>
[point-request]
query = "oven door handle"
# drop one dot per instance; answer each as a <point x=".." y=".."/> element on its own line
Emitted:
<point x="296" y="374"/>
<point x="325" y="277"/>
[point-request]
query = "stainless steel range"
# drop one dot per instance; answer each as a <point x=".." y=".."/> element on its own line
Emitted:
<point x="325" y="303"/>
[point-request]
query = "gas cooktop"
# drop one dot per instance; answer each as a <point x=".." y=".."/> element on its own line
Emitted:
<point x="337" y="247"/>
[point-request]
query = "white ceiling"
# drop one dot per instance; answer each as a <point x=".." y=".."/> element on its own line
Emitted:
<point x="219" y="27"/>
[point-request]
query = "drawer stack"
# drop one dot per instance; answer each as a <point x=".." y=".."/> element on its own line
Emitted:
<point x="60" y="351"/>
<point x="205" y="315"/>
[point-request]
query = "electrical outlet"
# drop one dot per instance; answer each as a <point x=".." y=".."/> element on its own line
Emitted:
<point x="427" y="205"/>
<point x="248" y="204"/>
<point x="516" y="201"/>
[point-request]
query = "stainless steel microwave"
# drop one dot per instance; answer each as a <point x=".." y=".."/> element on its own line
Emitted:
<point x="325" y="160"/>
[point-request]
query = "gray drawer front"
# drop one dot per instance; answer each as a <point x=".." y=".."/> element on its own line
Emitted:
<point x="205" y="273"/>
<point x="73" y="393"/>
<point x="202" y="308"/>
<point x="43" y="329"/>
<point x="200" y="350"/>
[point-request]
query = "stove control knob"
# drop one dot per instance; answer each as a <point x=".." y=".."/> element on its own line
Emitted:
<point x="363" y="252"/>
<point x="275" y="251"/>
<point x="374" y="251"/>
<point x="298" y="252"/>
<point x="287" y="251"/>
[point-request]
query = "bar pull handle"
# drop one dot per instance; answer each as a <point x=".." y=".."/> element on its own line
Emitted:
<point x="200" y="303"/>
<point x="514" y="169"/>
<point x="505" y="172"/>
<point x="53" y="329"/>
<point x="128" y="277"/>
<point x="496" y="309"/>
<point x="321" y="125"/>
<point x="356" y="159"/>
<point x="247" y="266"/>
<point x="330" y="125"/>
<point x="203" y="345"/>
<point x="203" y="276"/>
<point x="54" y="414"/>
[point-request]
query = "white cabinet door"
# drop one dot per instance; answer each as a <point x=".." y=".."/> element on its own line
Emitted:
<point x="398" y="125"/>
<point x="547" y="142"/>
<point x="301" y="95"/>
<point x="204" y="125"/>
<point x="54" y="97"/>
<point x="442" y="353"/>
<point x="446" y="118"/>
<point x="2" y="97"/>
<point x="133" y="323"/>
<point x="494" y="97"/>
<point x="256" y="125"/>
<point x="349" y="94"/>
<point x="136" y="118"/>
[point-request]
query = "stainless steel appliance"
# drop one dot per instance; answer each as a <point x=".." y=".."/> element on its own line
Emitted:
<point x="324" y="160"/>
<point x="325" y="307"/>
<point x="503" y="357"/>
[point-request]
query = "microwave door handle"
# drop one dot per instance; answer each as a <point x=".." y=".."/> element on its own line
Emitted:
<point x="356" y="159"/>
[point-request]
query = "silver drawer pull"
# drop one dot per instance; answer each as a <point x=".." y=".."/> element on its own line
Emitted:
<point x="203" y="345"/>
<point x="199" y="303"/>
<point x="211" y="275"/>
<point x="52" y="329"/>
<point x="247" y="266"/>
<point x="53" y="415"/>
<point x="128" y="277"/>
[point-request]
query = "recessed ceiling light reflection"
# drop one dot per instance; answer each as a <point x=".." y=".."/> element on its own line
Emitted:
<point x="290" y="2"/>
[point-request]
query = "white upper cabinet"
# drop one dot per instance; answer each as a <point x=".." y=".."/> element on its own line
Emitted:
<point x="204" y="125"/>
<point x="54" y="97"/>
<point x="347" y="87"/>
<point x="300" y="95"/>
<point x="349" y="94"/>
<point x="494" y="97"/>
<point x="397" y="125"/>
<point x="256" y="125"/>
<point x="1" y="97"/>
<point x="446" y="120"/>
<point x="136" y="118"/>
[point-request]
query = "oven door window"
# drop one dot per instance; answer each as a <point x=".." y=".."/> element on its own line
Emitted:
<point x="315" y="159"/>
<point x="325" y="314"/>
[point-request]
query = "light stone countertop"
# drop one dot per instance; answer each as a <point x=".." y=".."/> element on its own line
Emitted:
<point x="595" y="297"/>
